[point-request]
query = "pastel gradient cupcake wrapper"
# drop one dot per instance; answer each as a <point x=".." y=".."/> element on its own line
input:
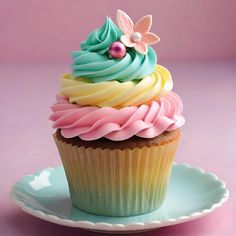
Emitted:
<point x="117" y="182"/>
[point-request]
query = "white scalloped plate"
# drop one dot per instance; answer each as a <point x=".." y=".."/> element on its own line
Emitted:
<point x="191" y="194"/>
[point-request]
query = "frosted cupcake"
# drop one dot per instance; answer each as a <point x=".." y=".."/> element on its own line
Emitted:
<point x="117" y="121"/>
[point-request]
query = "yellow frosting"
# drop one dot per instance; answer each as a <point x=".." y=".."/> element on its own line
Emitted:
<point x="117" y="94"/>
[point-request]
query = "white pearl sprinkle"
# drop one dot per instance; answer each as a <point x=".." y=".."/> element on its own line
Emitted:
<point x="136" y="37"/>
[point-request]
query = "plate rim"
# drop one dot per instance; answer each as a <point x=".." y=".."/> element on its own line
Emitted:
<point x="134" y="226"/>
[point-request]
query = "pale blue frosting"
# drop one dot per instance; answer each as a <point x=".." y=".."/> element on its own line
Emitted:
<point x="94" y="63"/>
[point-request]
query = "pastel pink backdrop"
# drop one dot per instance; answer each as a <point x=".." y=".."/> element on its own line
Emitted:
<point x="198" y="45"/>
<point x="45" y="30"/>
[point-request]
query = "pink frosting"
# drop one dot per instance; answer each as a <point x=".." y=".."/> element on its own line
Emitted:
<point x="91" y="123"/>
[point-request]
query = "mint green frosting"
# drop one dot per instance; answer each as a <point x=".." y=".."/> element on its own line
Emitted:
<point x="94" y="63"/>
<point x="101" y="39"/>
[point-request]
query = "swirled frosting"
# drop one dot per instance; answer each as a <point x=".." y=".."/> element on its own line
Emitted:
<point x="91" y="123"/>
<point x="93" y="62"/>
<point x="116" y="94"/>
<point x="100" y="40"/>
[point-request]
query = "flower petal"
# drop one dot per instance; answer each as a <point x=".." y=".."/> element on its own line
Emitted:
<point x="143" y="25"/>
<point x="150" y="38"/>
<point x="141" y="48"/>
<point x="124" y="22"/>
<point x="126" y="40"/>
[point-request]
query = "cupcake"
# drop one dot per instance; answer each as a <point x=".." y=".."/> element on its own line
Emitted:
<point x="117" y="121"/>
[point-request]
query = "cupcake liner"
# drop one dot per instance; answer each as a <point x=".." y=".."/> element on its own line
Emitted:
<point x="117" y="182"/>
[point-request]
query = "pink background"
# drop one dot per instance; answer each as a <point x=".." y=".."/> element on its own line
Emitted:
<point x="49" y="30"/>
<point x="198" y="45"/>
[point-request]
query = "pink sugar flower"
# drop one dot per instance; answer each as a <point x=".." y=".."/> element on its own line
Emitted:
<point x="136" y="35"/>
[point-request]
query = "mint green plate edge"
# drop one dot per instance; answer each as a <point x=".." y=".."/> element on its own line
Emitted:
<point x="134" y="227"/>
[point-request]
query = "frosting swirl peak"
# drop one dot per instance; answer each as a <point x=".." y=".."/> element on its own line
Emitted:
<point x="100" y="40"/>
<point x="94" y="63"/>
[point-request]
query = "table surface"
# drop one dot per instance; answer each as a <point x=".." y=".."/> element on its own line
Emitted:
<point x="208" y="91"/>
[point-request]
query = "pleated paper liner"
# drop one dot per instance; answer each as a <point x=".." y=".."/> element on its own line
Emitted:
<point x="117" y="182"/>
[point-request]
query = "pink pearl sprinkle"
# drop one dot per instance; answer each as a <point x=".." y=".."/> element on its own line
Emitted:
<point x="117" y="50"/>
